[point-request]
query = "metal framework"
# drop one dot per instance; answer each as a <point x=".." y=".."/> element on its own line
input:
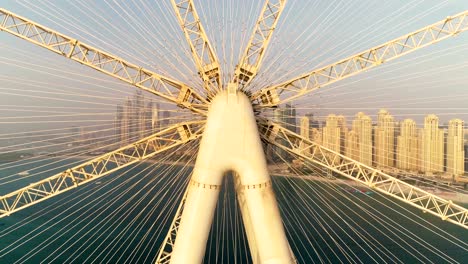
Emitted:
<point x="231" y="142"/>
<point x="251" y="61"/>
<point x="354" y="170"/>
<point x="298" y="87"/>
<point x="203" y="54"/>
<point x="165" y="252"/>
<point x="164" y="87"/>
<point x="101" y="166"/>
<point x="233" y="111"/>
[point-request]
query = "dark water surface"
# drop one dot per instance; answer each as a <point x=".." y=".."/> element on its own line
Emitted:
<point x="124" y="218"/>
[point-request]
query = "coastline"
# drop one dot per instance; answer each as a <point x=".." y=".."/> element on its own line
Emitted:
<point x="447" y="195"/>
<point x="276" y="171"/>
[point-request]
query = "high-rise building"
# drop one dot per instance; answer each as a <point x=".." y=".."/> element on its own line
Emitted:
<point x="134" y="115"/>
<point x="455" y="148"/>
<point x="286" y="117"/>
<point x="118" y="123"/>
<point x="146" y="119"/>
<point x="155" y="126"/>
<point x="138" y="118"/>
<point x="362" y="126"/>
<point x="343" y="132"/>
<point x="290" y="118"/>
<point x="126" y="121"/>
<point x="408" y="147"/>
<point x="316" y="136"/>
<point x="352" y="145"/>
<point x="305" y="127"/>
<point x="312" y="122"/>
<point x="465" y="148"/>
<point x="141" y="119"/>
<point x="331" y="135"/>
<point x="305" y="131"/>
<point x="432" y="146"/>
<point x="384" y="140"/>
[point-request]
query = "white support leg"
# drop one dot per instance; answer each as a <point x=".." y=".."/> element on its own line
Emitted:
<point x="231" y="143"/>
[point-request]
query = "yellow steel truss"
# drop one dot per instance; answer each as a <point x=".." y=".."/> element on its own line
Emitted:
<point x="165" y="252"/>
<point x="164" y="87"/>
<point x="258" y="43"/>
<point x="101" y="166"/>
<point x="354" y="170"/>
<point x="361" y="62"/>
<point x="203" y="53"/>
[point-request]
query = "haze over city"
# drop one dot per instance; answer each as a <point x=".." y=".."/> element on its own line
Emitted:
<point x="296" y="131"/>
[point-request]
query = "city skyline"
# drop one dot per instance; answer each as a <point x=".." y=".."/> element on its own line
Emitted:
<point x="266" y="131"/>
<point x="387" y="143"/>
<point x="443" y="71"/>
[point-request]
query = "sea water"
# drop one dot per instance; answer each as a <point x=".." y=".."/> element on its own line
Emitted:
<point x="124" y="217"/>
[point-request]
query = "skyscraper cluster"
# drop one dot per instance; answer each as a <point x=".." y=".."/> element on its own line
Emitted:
<point x="137" y="118"/>
<point x="388" y="144"/>
<point x="286" y="116"/>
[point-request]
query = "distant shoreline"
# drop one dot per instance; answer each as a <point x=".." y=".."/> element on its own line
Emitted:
<point x="447" y="195"/>
<point x="453" y="196"/>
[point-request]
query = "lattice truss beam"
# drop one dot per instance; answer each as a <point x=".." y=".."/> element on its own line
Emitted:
<point x="298" y="87"/>
<point x="164" y="87"/>
<point x="251" y="61"/>
<point x="354" y="170"/>
<point x="148" y="147"/>
<point x="165" y="252"/>
<point x="203" y="53"/>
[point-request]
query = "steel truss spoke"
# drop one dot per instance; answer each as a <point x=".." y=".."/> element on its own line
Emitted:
<point x="101" y="166"/>
<point x="297" y="87"/>
<point x="203" y="53"/>
<point x="376" y="179"/>
<point x="164" y="87"/>
<point x="251" y="61"/>
<point x="165" y="252"/>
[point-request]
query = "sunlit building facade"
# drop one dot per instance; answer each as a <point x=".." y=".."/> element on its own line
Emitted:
<point x="384" y="140"/>
<point x="408" y="146"/>
<point x="362" y="126"/>
<point x="455" y="148"/>
<point x="316" y="135"/>
<point x="432" y="146"/>
<point x="428" y="150"/>
<point x="331" y="134"/>
<point x="305" y="131"/>
<point x="125" y="124"/>
<point x="343" y="132"/>
<point x="352" y="145"/>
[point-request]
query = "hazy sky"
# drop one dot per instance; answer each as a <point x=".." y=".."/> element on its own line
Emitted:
<point x="310" y="34"/>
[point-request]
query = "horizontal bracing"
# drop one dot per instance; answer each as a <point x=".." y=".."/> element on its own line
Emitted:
<point x="376" y="179"/>
<point x="299" y="86"/>
<point x="103" y="165"/>
<point x="164" y="87"/>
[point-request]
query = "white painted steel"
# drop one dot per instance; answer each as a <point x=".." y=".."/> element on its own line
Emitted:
<point x="231" y="143"/>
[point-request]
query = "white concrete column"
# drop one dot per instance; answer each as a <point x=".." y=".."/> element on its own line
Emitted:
<point x="231" y="143"/>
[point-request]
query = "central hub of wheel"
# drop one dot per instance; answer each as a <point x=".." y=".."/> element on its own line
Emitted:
<point x="231" y="142"/>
